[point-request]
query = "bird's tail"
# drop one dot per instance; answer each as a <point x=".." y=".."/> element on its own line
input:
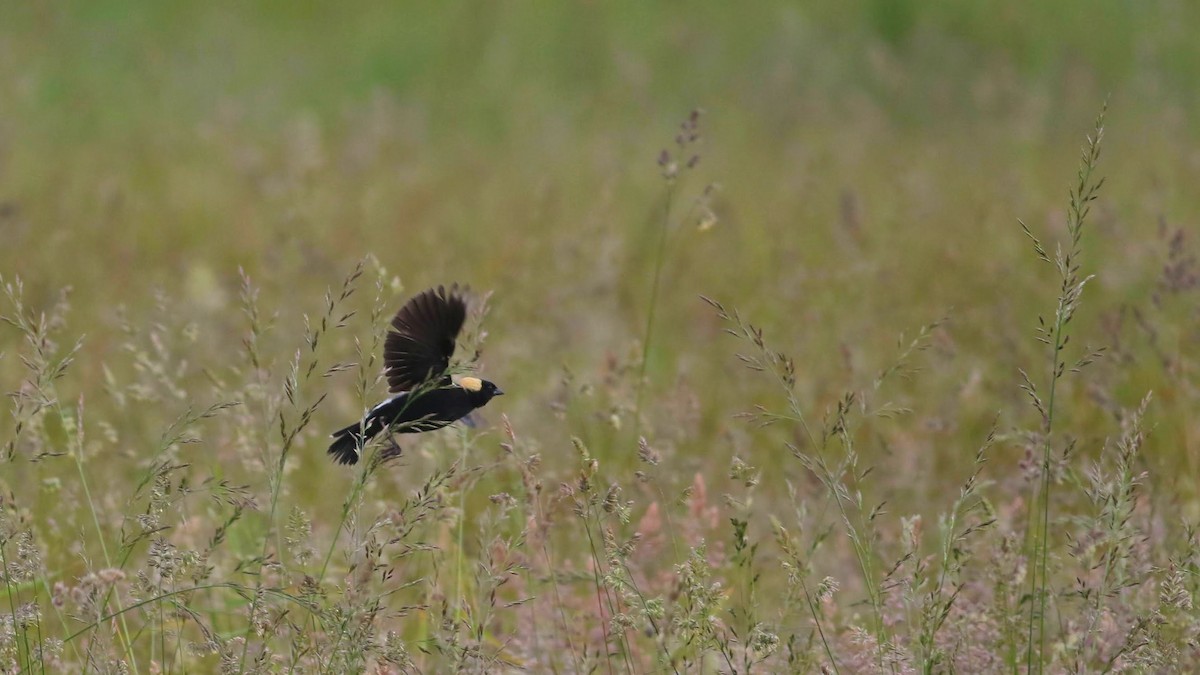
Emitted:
<point x="347" y="444"/>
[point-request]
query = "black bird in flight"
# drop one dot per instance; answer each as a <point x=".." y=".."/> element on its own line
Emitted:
<point x="416" y="357"/>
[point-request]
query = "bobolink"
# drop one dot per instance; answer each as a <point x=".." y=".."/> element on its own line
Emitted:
<point x="416" y="356"/>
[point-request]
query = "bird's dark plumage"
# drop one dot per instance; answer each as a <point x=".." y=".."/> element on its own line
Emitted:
<point x="421" y="342"/>
<point x="416" y="356"/>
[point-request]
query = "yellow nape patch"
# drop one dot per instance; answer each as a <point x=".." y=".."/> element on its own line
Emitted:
<point x="471" y="383"/>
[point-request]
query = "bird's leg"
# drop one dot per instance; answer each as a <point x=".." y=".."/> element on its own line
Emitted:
<point x="392" y="450"/>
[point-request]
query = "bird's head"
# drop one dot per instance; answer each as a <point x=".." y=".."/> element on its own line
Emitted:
<point x="481" y="391"/>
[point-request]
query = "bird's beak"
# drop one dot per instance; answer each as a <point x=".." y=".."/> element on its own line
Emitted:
<point x="498" y="392"/>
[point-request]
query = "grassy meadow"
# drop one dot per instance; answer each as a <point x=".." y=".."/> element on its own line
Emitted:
<point x="837" y="337"/>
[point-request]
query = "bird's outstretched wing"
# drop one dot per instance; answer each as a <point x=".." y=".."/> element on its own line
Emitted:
<point x="419" y="345"/>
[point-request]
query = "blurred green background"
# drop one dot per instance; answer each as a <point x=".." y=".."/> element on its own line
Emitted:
<point x="870" y="161"/>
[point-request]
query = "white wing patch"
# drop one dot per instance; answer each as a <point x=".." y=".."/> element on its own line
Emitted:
<point x="394" y="398"/>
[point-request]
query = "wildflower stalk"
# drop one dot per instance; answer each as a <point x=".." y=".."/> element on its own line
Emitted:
<point x="584" y="492"/>
<point x="300" y="374"/>
<point x="241" y="590"/>
<point x="368" y="377"/>
<point x="23" y="657"/>
<point x="688" y="135"/>
<point x="951" y="557"/>
<point x="459" y="560"/>
<point x="1056" y="335"/>
<point x="558" y="601"/>
<point x="124" y="632"/>
<point x="46" y="371"/>
<point x="648" y="332"/>
<point x="783" y="369"/>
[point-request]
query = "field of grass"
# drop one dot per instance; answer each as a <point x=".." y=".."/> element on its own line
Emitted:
<point x="826" y="347"/>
